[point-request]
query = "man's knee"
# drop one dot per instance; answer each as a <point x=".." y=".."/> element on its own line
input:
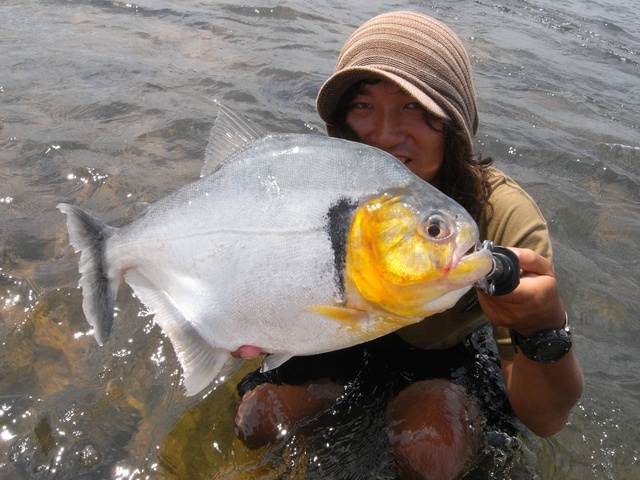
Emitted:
<point x="271" y="410"/>
<point x="434" y="430"/>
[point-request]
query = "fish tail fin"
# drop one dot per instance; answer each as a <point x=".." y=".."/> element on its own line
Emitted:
<point x="87" y="235"/>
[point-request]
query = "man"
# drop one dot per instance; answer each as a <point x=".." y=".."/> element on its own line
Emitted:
<point x="403" y="84"/>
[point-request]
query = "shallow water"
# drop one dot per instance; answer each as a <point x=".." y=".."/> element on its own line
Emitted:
<point x="106" y="103"/>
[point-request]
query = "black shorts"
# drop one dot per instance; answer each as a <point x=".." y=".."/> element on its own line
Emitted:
<point x="383" y="367"/>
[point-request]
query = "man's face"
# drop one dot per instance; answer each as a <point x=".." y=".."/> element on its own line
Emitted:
<point x="383" y="116"/>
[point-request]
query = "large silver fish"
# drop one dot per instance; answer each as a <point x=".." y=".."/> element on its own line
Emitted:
<point x="294" y="244"/>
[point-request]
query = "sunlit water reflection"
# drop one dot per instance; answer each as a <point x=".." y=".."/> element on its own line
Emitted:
<point x="105" y="104"/>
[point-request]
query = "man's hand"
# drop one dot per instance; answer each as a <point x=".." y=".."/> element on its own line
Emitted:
<point x="532" y="307"/>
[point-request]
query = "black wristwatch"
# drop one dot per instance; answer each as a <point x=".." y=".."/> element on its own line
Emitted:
<point x="547" y="346"/>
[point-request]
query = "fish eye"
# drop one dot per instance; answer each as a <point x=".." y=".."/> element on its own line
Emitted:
<point x="436" y="227"/>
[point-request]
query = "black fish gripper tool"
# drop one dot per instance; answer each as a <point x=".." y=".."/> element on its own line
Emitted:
<point x="504" y="277"/>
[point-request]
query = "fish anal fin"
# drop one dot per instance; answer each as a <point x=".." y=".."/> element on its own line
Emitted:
<point x="202" y="365"/>
<point x="201" y="362"/>
<point x="342" y="314"/>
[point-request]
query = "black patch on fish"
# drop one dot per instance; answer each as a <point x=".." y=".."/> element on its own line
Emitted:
<point x="338" y="223"/>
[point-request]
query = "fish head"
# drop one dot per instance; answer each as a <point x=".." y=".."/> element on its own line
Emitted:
<point x="410" y="255"/>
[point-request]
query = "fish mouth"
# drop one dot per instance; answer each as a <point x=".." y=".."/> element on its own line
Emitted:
<point x="463" y="251"/>
<point x="467" y="258"/>
<point x="473" y="264"/>
<point x="465" y="243"/>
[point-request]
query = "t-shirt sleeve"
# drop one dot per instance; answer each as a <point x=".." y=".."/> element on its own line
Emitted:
<point x="513" y="220"/>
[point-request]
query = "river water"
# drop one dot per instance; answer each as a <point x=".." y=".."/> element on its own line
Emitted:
<point x="107" y="103"/>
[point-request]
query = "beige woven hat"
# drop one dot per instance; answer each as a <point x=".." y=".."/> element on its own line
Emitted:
<point x="418" y="53"/>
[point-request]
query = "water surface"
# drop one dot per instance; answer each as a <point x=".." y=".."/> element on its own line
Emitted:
<point x="105" y="104"/>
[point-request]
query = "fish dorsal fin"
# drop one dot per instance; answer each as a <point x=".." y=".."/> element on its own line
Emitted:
<point x="231" y="132"/>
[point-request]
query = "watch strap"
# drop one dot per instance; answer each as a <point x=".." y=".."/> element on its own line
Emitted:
<point x="547" y="346"/>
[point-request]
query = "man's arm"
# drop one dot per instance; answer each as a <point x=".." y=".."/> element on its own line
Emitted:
<point x="541" y="394"/>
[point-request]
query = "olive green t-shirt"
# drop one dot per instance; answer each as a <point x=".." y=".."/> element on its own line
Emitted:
<point x="512" y="219"/>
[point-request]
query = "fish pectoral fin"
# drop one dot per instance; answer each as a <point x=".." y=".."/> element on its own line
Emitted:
<point x="337" y="312"/>
<point x="201" y="363"/>
<point x="274" y="361"/>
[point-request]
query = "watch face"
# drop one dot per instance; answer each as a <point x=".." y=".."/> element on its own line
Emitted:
<point x="552" y="350"/>
<point x="546" y="347"/>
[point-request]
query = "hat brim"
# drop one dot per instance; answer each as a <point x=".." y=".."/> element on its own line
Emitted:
<point x="335" y="87"/>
